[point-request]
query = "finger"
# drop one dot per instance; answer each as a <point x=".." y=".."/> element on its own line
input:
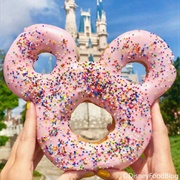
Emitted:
<point x="157" y="126"/>
<point x="76" y="175"/>
<point x="37" y="155"/>
<point x="157" y="120"/>
<point x="161" y="144"/>
<point x="38" y="158"/>
<point x="37" y="149"/>
<point x="111" y="174"/>
<point x="111" y="126"/>
<point x="159" y="131"/>
<point x="11" y="158"/>
<point x="137" y="165"/>
<point x="27" y="141"/>
<point x="148" y="152"/>
<point x="140" y="164"/>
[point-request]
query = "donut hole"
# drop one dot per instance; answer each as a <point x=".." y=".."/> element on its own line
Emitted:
<point x="134" y="72"/>
<point x="91" y="123"/>
<point x="45" y="63"/>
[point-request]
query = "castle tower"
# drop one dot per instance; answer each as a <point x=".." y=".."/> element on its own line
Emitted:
<point x="70" y="8"/>
<point x="101" y="25"/>
<point x="85" y="25"/>
<point x="92" y="41"/>
<point x="86" y="39"/>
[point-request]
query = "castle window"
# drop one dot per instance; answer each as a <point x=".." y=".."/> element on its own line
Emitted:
<point x="87" y="28"/>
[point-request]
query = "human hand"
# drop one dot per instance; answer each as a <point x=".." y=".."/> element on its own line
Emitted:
<point x="25" y="153"/>
<point x="157" y="155"/>
<point x="76" y="175"/>
<point x="157" y="160"/>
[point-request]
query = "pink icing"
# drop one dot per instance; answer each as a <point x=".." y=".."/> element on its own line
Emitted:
<point x="57" y="94"/>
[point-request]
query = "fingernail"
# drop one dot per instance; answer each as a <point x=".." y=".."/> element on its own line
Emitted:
<point x="89" y="174"/>
<point x="103" y="174"/>
<point x="28" y="105"/>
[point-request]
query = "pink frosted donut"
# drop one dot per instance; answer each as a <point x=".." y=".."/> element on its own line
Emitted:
<point x="58" y="93"/>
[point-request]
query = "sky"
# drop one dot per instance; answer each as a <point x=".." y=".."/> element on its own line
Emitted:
<point x="161" y="17"/>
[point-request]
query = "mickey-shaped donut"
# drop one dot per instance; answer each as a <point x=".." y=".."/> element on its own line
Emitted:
<point x="58" y="93"/>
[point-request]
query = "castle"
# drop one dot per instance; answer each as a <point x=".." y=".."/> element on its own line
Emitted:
<point x="88" y="120"/>
<point x="91" y="41"/>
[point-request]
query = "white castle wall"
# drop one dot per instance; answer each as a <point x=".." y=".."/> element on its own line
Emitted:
<point x="90" y="121"/>
<point x="11" y="129"/>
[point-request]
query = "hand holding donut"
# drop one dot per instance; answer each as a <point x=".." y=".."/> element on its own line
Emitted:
<point x="158" y="147"/>
<point x="26" y="154"/>
<point x="157" y="163"/>
<point x="57" y="94"/>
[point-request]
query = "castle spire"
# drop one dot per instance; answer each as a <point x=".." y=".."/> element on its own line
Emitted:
<point x="101" y="25"/>
<point x="70" y="7"/>
<point x="100" y="10"/>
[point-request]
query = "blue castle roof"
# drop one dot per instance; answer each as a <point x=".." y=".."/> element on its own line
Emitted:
<point x="81" y="24"/>
<point x="83" y="17"/>
<point x="89" y="43"/>
<point x="91" y="59"/>
<point x="99" y="9"/>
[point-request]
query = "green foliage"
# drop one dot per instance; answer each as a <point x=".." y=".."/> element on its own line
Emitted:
<point x="2" y="125"/>
<point x="2" y="165"/>
<point x="3" y="140"/>
<point x="2" y="55"/>
<point x="36" y="174"/>
<point x="8" y="100"/>
<point x="23" y="114"/>
<point x="170" y="104"/>
<point x="175" y="145"/>
<point x="129" y="170"/>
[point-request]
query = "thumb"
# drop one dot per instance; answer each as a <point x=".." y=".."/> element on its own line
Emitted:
<point x="114" y="174"/>
<point x="76" y="175"/>
<point x="27" y="139"/>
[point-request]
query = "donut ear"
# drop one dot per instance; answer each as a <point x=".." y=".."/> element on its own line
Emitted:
<point x="54" y="40"/>
<point x="19" y="73"/>
<point x="150" y="50"/>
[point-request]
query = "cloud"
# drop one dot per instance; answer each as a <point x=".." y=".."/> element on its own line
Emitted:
<point x="17" y="14"/>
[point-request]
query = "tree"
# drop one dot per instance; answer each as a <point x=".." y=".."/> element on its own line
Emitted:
<point x="23" y="114"/>
<point x="8" y="100"/>
<point x="170" y="104"/>
<point x="2" y="56"/>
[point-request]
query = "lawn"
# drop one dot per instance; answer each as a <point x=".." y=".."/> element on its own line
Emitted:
<point x="175" y="150"/>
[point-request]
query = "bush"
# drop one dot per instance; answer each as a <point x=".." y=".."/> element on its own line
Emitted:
<point x="36" y="174"/>
<point x="2" y="165"/>
<point x="3" y="140"/>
